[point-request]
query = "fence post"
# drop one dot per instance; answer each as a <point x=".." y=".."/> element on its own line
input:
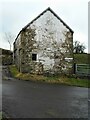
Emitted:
<point x="74" y="68"/>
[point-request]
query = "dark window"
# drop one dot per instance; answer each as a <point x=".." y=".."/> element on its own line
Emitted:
<point x="34" y="57"/>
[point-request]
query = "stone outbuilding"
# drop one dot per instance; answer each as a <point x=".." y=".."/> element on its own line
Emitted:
<point x="44" y="45"/>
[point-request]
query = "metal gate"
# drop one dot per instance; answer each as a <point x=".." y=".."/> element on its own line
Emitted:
<point x="83" y="69"/>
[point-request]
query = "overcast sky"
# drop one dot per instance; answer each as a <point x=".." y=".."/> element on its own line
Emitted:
<point x="15" y="14"/>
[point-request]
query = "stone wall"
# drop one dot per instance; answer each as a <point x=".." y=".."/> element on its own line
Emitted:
<point x="52" y="43"/>
<point x="6" y="57"/>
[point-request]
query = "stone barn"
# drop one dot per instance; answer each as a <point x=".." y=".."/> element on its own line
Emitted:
<point x="45" y="45"/>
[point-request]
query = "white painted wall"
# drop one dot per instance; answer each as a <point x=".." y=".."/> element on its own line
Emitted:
<point x="48" y="29"/>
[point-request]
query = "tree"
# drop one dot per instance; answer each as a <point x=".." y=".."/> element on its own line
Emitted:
<point x="78" y="47"/>
<point x="9" y="37"/>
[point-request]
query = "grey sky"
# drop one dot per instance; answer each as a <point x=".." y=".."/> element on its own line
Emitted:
<point x="14" y="15"/>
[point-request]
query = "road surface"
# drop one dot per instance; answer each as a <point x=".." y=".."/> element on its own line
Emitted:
<point x="26" y="99"/>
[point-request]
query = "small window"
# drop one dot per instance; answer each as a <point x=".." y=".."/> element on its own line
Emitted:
<point x="34" y="57"/>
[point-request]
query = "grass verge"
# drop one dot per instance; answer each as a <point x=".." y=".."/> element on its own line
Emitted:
<point x="0" y="115"/>
<point x="51" y="79"/>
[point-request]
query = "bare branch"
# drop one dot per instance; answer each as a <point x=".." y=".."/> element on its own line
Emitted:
<point x="9" y="38"/>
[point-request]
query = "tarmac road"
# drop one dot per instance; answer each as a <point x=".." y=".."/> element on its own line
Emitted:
<point x="26" y="99"/>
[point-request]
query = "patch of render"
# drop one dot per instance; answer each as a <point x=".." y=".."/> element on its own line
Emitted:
<point x="48" y="31"/>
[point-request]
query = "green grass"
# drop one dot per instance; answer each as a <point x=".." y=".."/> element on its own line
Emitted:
<point x="81" y="58"/>
<point x="13" y="70"/>
<point x="78" y="82"/>
<point x="51" y="79"/>
<point x="0" y="115"/>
